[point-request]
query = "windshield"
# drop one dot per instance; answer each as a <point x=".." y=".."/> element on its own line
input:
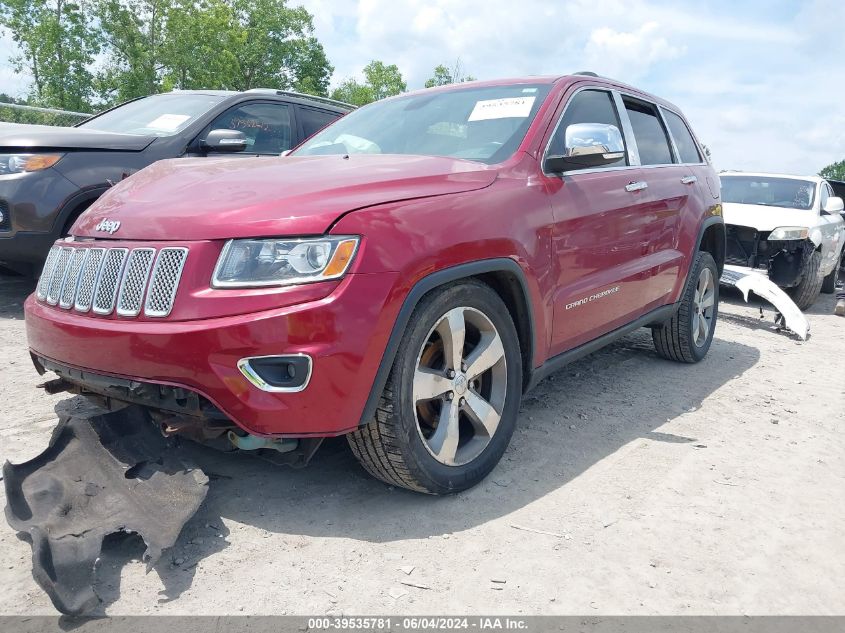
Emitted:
<point x="789" y="193"/>
<point x="482" y="124"/>
<point x="158" y="115"/>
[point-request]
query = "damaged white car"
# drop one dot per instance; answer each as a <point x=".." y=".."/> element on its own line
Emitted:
<point x="791" y="227"/>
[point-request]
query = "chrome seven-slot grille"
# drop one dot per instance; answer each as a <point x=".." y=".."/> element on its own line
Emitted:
<point x="105" y="280"/>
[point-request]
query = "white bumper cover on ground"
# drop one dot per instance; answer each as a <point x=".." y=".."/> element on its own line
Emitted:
<point x="745" y="279"/>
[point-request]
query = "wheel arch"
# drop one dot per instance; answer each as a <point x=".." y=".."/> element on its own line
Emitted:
<point x="712" y="238"/>
<point x="503" y="275"/>
<point x="74" y="206"/>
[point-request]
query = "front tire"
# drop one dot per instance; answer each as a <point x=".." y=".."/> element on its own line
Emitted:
<point x="451" y="401"/>
<point x="686" y="337"/>
<point x="807" y="291"/>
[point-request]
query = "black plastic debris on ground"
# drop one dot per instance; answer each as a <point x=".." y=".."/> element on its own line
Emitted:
<point x="99" y="475"/>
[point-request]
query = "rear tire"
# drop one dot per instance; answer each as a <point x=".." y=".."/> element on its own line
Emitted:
<point x="451" y="401"/>
<point x="686" y="337"/>
<point x="829" y="283"/>
<point x="807" y="291"/>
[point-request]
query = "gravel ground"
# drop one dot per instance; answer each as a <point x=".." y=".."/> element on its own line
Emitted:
<point x="632" y="486"/>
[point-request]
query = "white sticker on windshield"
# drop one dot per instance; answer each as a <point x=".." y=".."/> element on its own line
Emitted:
<point x="168" y="122"/>
<point x="511" y="107"/>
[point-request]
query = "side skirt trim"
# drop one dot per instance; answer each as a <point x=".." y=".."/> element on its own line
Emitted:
<point x="655" y="317"/>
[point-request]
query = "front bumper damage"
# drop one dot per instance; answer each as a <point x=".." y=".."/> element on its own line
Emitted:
<point x="783" y="261"/>
<point x="99" y="475"/>
<point x="748" y="280"/>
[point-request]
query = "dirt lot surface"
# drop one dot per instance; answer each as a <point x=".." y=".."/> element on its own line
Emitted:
<point x="632" y="486"/>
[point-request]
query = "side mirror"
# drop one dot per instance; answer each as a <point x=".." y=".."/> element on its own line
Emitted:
<point x="224" y="141"/>
<point x="587" y="145"/>
<point x="833" y="205"/>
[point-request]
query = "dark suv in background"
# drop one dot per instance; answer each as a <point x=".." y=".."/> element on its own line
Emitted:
<point x="50" y="175"/>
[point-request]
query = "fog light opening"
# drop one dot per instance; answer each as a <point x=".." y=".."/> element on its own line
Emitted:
<point x="287" y="373"/>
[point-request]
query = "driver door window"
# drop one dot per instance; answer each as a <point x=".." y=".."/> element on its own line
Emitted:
<point x="267" y="126"/>
<point x="588" y="106"/>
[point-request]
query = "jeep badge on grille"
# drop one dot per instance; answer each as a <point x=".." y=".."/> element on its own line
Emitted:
<point x="108" y="226"/>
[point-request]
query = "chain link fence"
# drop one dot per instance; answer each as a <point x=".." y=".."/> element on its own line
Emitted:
<point x="30" y="115"/>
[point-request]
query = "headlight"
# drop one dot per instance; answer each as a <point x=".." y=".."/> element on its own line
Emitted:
<point x="282" y="262"/>
<point x="19" y="163"/>
<point x="785" y="233"/>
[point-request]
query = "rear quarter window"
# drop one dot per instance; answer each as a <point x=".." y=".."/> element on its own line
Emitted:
<point x="683" y="138"/>
<point x="314" y="120"/>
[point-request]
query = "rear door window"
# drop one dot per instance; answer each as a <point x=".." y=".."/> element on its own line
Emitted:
<point x="683" y="138"/>
<point x="651" y="138"/>
<point x="314" y="120"/>
<point x="267" y="126"/>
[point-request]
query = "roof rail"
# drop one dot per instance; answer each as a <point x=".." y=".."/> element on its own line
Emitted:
<point x="587" y="73"/>
<point x="301" y="95"/>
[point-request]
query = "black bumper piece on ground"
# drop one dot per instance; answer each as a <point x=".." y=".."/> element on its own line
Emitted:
<point x="99" y="475"/>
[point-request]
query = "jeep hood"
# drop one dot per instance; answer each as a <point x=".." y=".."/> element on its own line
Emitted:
<point x="45" y="137"/>
<point x="211" y="198"/>
<point x="765" y="218"/>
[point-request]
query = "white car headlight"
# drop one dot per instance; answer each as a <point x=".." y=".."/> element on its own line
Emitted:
<point x="785" y="233"/>
<point x="250" y="263"/>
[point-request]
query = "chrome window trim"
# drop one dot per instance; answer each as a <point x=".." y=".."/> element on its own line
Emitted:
<point x="252" y="376"/>
<point x="656" y="106"/>
<point x="144" y="282"/>
<point x="159" y="314"/>
<point x="691" y="133"/>
<point x="630" y="147"/>
<point x="118" y="278"/>
<point x="673" y="147"/>
<point x="627" y="128"/>
<point x="624" y="93"/>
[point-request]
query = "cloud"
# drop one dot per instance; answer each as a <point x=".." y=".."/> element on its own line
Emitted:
<point x="629" y="54"/>
<point x="760" y="81"/>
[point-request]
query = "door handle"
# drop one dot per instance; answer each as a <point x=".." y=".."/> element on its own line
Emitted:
<point x="638" y="185"/>
<point x="688" y="180"/>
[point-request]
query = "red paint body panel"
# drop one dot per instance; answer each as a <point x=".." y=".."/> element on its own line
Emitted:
<point x="572" y="237"/>
<point x="345" y="333"/>
<point x="192" y="199"/>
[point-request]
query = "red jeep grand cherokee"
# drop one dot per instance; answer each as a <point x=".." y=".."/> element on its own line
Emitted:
<point x="402" y="277"/>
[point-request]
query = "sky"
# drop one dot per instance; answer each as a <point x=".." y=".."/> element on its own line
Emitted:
<point x="761" y="81"/>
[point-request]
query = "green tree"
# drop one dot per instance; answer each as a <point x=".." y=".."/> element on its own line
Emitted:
<point x="57" y="43"/>
<point x="243" y="44"/>
<point x="351" y="91"/>
<point x="133" y="31"/>
<point x="385" y="81"/>
<point x="380" y="81"/>
<point x="444" y="76"/>
<point x="835" y="171"/>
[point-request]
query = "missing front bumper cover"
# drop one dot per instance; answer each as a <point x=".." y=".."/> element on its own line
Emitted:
<point x="99" y="475"/>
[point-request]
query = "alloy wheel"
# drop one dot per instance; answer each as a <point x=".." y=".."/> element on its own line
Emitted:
<point x="703" y="304"/>
<point x="460" y="385"/>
